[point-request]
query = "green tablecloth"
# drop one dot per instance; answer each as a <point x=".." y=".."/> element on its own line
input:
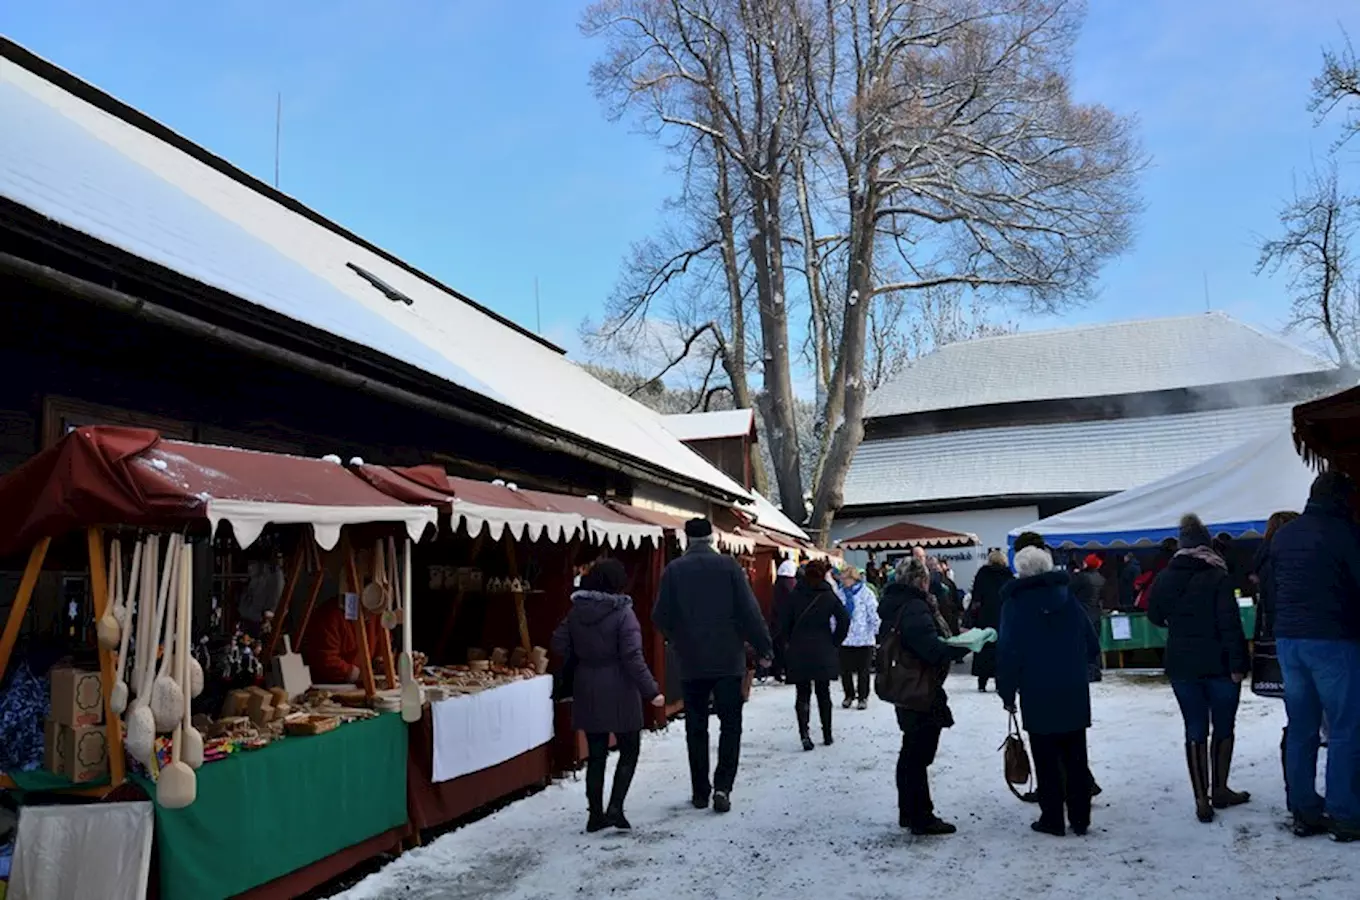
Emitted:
<point x="263" y="814"/>
<point x="1143" y="635"/>
<point x="38" y="780"/>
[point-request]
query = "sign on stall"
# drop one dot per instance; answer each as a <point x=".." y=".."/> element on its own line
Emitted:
<point x="1121" y="628"/>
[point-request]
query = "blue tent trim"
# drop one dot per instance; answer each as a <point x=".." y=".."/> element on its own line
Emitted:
<point x="1103" y="540"/>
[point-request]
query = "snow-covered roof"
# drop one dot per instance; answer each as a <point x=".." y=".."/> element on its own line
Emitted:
<point x="1091" y="361"/>
<point x="707" y="426"/>
<point x="99" y="174"/>
<point x="1100" y="457"/>
<point x="772" y="517"/>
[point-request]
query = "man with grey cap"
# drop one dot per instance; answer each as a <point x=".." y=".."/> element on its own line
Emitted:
<point x="708" y="613"/>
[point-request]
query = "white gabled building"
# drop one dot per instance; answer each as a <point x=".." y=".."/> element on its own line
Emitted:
<point x="984" y="436"/>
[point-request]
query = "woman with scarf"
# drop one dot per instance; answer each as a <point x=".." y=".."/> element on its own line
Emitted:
<point x="812" y="626"/>
<point x="601" y="640"/>
<point x="857" y="653"/>
<point x="1206" y="660"/>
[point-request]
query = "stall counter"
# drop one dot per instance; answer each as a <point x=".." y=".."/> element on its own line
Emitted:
<point x="1143" y="635"/>
<point x="263" y="815"/>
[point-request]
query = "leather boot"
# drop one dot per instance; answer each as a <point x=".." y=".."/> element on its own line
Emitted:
<point x="824" y="710"/>
<point x="1223" y="796"/>
<point x="595" y="800"/>
<point x="623" y="779"/>
<point x="1197" y="761"/>
<point x="804" y="711"/>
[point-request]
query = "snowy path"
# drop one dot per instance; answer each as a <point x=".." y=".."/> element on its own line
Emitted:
<point x="824" y="824"/>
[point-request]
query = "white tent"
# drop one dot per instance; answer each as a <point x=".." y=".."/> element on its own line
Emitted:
<point x="1234" y="493"/>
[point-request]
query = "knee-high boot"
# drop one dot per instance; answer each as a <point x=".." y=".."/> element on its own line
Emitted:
<point x="623" y="779"/>
<point x="1224" y="796"/>
<point x="824" y="711"/>
<point x="595" y="792"/>
<point x="804" y="712"/>
<point x="1197" y="761"/>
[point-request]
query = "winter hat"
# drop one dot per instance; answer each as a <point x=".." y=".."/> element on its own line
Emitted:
<point x="1193" y="533"/>
<point x="607" y="576"/>
<point x="1029" y="539"/>
<point x="1332" y="485"/>
<point x="698" y="529"/>
<point x="1093" y="561"/>
<point x="788" y="569"/>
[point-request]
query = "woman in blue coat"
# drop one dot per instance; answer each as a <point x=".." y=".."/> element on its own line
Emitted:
<point x="1046" y="643"/>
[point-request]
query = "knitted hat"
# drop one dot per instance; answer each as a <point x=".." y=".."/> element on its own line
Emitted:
<point x="698" y="528"/>
<point x="1193" y="533"/>
<point x="1093" y="561"/>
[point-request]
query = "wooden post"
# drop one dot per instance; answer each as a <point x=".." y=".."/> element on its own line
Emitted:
<point x="311" y="603"/>
<point x="113" y="726"/>
<point x="21" y="600"/>
<point x="519" y="599"/>
<point x="361" y="625"/>
<point x="281" y="613"/>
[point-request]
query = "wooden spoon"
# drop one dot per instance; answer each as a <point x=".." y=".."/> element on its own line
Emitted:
<point x="410" y="688"/>
<point x="119" y="697"/>
<point x="167" y="700"/>
<point x="192" y="755"/>
<point x="107" y="630"/>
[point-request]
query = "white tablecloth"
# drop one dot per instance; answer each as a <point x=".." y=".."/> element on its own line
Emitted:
<point x="477" y="731"/>
<point x="78" y="852"/>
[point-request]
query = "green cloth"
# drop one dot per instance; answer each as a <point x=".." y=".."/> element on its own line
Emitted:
<point x="1146" y="636"/>
<point x="974" y="639"/>
<point x="263" y="814"/>
<point x="43" y="780"/>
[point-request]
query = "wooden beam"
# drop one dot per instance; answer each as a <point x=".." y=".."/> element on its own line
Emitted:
<point x="113" y="726"/>
<point x="361" y="626"/>
<point x="281" y="612"/>
<point x="20" y="606"/>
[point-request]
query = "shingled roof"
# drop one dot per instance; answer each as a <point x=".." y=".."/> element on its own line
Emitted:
<point x="1091" y="361"/>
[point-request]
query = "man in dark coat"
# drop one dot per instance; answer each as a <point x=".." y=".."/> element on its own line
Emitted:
<point x="907" y="608"/>
<point x="811" y="647"/>
<point x="1315" y="565"/>
<point x="1087" y="586"/>
<point x="985" y="612"/>
<point x="1046" y="644"/>
<point x="1128" y="575"/>
<point x="707" y="612"/>
<point x="602" y="638"/>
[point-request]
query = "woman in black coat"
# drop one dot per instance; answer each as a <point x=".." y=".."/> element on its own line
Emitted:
<point x="1206" y="660"/>
<point x="985" y="612"/>
<point x="602" y="640"/>
<point x="908" y="608"/>
<point x="786" y="579"/>
<point x="811" y="647"/>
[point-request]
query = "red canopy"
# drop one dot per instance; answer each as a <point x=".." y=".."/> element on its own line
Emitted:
<point x="101" y="475"/>
<point x="902" y="535"/>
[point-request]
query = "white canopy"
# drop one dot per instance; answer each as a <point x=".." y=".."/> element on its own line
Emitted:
<point x="1234" y="493"/>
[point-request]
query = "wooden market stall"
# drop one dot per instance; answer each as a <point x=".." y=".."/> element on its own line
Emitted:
<point x="299" y="811"/>
<point x="1327" y="431"/>
<point x="500" y="575"/>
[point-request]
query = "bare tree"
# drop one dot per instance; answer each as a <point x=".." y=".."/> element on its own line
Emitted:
<point x="1339" y="86"/>
<point x="1317" y="251"/>
<point x="882" y="148"/>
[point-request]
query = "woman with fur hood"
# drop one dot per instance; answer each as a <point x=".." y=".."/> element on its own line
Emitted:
<point x="1045" y="645"/>
<point x="812" y="626"/>
<point x="1206" y="660"/>
<point x="601" y="640"/>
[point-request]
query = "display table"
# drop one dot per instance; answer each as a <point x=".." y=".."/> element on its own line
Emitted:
<point x="494" y="744"/>
<point x="1143" y="635"/>
<point x="287" y="818"/>
<point x="478" y="731"/>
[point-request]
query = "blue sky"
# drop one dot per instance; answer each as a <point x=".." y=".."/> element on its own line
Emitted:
<point x="463" y="135"/>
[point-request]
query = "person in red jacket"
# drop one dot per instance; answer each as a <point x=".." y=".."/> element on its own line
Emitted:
<point x="331" y="645"/>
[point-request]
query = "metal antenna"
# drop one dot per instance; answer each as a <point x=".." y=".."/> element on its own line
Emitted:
<point x="538" y="310"/>
<point x="1206" y="292"/>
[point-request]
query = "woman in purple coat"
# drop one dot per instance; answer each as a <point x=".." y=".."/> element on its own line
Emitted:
<point x="601" y="640"/>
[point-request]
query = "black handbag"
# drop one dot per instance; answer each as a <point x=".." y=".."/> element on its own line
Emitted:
<point x="564" y="681"/>
<point x="1267" y="679"/>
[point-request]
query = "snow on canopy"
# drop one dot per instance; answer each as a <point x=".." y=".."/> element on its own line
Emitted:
<point x="100" y="174"/>
<point x="708" y="426"/>
<point x="1234" y="493"/>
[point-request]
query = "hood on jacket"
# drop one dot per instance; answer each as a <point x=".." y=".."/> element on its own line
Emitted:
<point x="1048" y="590"/>
<point x="594" y="606"/>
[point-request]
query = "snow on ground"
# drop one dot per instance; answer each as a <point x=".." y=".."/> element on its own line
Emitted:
<point x="824" y="823"/>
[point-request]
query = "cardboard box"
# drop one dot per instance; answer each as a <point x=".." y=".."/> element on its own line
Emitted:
<point x="54" y="759"/>
<point x="85" y="753"/>
<point x="77" y="697"/>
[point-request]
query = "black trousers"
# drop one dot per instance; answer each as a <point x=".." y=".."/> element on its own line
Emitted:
<point x="920" y="741"/>
<point x="856" y="661"/>
<point x="1064" y="777"/>
<point x="725" y="696"/>
<point x="597" y="746"/>
<point x="802" y="703"/>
